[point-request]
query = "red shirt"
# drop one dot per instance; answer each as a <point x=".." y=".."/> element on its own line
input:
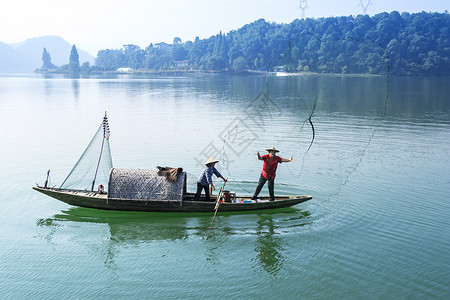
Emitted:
<point x="270" y="166"/>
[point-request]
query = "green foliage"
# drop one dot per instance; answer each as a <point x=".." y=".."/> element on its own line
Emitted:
<point x="85" y="67"/>
<point x="108" y="60"/>
<point x="402" y="44"/>
<point x="239" y="64"/>
<point x="47" y="60"/>
<point x="74" y="62"/>
<point x="178" y="52"/>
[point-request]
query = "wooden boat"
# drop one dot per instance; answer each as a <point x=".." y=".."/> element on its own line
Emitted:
<point x="102" y="201"/>
<point x="146" y="190"/>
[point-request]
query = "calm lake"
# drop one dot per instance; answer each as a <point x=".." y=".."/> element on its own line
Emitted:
<point x="377" y="165"/>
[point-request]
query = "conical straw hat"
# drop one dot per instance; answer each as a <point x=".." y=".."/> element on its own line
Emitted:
<point x="211" y="160"/>
<point x="272" y="149"/>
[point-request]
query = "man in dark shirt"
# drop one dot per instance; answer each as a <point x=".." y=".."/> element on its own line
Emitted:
<point x="205" y="179"/>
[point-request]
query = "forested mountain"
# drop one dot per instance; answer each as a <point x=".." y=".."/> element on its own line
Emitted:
<point x="413" y="44"/>
<point x="26" y="56"/>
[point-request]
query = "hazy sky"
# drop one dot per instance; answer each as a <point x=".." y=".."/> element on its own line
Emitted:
<point x="93" y="25"/>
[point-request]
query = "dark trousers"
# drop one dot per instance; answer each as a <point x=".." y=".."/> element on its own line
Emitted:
<point x="199" y="191"/>
<point x="261" y="182"/>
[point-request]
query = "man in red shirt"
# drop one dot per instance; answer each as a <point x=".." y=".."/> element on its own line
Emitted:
<point x="270" y="165"/>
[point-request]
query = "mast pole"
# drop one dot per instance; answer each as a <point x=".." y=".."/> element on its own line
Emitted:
<point x="98" y="164"/>
<point x="105" y="122"/>
<point x="46" y="180"/>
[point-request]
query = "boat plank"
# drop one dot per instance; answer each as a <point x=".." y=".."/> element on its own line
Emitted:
<point x="101" y="201"/>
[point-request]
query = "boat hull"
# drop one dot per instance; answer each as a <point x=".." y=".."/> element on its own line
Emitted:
<point x="101" y="201"/>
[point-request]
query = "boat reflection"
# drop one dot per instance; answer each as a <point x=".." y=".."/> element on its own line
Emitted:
<point x="127" y="227"/>
<point x="137" y="228"/>
<point x="270" y="243"/>
<point x="269" y="246"/>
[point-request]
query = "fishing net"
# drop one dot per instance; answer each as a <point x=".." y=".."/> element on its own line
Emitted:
<point x="327" y="122"/>
<point x="94" y="165"/>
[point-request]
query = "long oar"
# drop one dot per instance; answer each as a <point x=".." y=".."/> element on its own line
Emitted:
<point x="219" y="196"/>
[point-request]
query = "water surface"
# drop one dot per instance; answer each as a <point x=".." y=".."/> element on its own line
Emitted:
<point x="377" y="168"/>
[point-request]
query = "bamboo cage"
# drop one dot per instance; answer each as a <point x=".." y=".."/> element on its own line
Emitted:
<point x="140" y="184"/>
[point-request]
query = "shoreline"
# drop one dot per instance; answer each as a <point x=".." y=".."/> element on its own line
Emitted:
<point x="211" y="72"/>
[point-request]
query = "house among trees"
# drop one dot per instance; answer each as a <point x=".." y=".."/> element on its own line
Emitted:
<point x="124" y="70"/>
<point x="278" y="69"/>
<point x="181" y="63"/>
<point x="162" y="46"/>
<point x="130" y="47"/>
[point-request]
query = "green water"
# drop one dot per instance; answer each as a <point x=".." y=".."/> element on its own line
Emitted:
<point x="378" y="170"/>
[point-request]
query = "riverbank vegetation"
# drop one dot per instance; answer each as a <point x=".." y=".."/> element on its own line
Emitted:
<point x="395" y="43"/>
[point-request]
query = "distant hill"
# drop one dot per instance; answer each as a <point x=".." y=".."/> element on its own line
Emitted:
<point x="26" y="56"/>
<point x="11" y="60"/>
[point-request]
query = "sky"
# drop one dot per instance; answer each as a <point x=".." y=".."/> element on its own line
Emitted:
<point x="94" y="25"/>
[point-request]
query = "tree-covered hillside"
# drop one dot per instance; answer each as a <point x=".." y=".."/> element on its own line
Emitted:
<point x="413" y="44"/>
